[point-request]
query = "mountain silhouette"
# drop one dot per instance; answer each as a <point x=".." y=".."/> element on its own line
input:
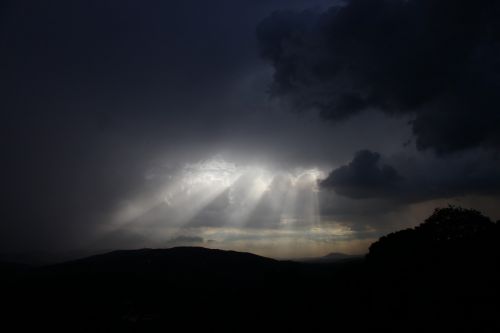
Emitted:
<point x="10" y="268"/>
<point x="442" y="275"/>
<point x="164" y="261"/>
<point x="333" y="257"/>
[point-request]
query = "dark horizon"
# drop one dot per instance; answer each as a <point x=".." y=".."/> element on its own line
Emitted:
<point x="40" y="259"/>
<point x="443" y="274"/>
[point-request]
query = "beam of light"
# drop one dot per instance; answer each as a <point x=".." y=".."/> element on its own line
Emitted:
<point x="301" y="205"/>
<point x="198" y="185"/>
<point x="245" y="195"/>
<point x="185" y="195"/>
<point x="226" y="195"/>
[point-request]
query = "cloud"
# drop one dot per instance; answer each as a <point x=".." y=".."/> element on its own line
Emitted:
<point x="106" y="101"/>
<point x="410" y="179"/>
<point x="96" y="94"/>
<point x="364" y="177"/>
<point x="434" y="60"/>
<point x="184" y="241"/>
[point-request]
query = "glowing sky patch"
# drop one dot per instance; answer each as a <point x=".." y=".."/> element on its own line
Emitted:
<point x="226" y="202"/>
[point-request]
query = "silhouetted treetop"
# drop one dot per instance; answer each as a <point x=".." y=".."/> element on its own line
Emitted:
<point x="448" y="234"/>
<point x="455" y="223"/>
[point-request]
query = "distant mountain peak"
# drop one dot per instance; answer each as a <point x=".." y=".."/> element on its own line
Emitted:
<point x="337" y="255"/>
<point x="185" y="258"/>
<point x="329" y="258"/>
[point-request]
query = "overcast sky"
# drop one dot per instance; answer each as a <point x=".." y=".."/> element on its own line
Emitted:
<point x="281" y="127"/>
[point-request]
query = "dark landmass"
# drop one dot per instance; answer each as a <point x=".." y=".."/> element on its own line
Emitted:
<point x="44" y="258"/>
<point x="440" y="276"/>
<point x="333" y="257"/>
<point x="12" y="268"/>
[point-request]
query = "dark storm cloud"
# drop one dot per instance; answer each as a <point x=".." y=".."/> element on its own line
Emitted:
<point x="435" y="60"/>
<point x="364" y="177"/>
<point x="105" y="103"/>
<point x="96" y="93"/>
<point x="408" y="179"/>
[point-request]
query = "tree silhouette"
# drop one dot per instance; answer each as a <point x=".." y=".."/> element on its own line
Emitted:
<point x="449" y="234"/>
<point x="446" y="270"/>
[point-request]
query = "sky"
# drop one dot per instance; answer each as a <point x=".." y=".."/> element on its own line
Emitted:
<point x="286" y="128"/>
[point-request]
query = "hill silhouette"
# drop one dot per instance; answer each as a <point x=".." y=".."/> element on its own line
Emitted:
<point x="333" y="257"/>
<point x="439" y="276"/>
<point x="165" y="260"/>
<point x="11" y="268"/>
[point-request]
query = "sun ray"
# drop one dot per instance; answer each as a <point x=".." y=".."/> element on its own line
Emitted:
<point x="246" y="195"/>
<point x="217" y="193"/>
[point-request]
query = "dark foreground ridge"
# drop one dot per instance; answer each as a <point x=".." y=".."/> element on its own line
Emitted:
<point x="440" y="276"/>
<point x="334" y="257"/>
<point x="178" y="259"/>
